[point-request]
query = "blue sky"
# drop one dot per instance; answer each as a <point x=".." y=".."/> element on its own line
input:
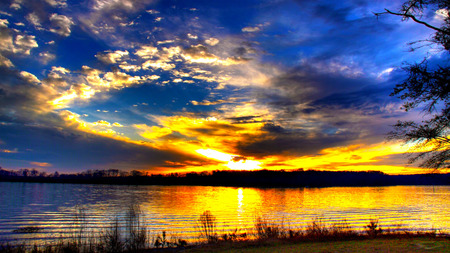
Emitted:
<point x="170" y="86"/>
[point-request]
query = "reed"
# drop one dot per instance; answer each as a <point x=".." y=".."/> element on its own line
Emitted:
<point x="266" y="229"/>
<point x="207" y="225"/>
<point x="134" y="236"/>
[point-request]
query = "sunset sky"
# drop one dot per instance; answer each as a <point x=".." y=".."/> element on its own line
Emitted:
<point x="177" y="86"/>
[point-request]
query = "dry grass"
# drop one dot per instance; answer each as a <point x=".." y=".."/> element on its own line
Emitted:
<point x="267" y="236"/>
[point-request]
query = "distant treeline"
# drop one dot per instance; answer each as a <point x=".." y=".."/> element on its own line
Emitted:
<point x="259" y="178"/>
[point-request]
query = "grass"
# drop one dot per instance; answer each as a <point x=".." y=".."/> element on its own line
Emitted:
<point x="267" y="236"/>
<point x="418" y="244"/>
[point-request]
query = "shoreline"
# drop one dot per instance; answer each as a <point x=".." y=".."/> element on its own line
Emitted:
<point x="258" y="179"/>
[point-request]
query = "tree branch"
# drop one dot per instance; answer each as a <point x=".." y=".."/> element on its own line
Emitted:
<point x="406" y="15"/>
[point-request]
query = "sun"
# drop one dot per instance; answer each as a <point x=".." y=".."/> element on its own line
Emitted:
<point x="234" y="162"/>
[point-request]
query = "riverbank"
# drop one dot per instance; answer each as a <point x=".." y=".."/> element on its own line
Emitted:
<point x="392" y="245"/>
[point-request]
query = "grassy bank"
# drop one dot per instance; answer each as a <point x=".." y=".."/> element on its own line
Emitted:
<point x="266" y="236"/>
<point x="415" y="244"/>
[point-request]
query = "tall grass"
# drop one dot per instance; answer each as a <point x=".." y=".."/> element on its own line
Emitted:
<point x="207" y="225"/>
<point x="136" y="232"/>
<point x="131" y="234"/>
<point x="266" y="229"/>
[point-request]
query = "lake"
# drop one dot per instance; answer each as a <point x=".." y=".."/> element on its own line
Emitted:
<point x="54" y="208"/>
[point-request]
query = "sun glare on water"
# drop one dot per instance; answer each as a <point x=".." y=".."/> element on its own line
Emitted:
<point x="234" y="162"/>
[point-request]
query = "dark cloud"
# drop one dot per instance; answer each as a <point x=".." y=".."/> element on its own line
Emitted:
<point x="21" y="100"/>
<point x="73" y="150"/>
<point x="304" y="85"/>
<point x="245" y="119"/>
<point x="238" y="158"/>
<point x="272" y="128"/>
<point x="292" y="144"/>
<point x="216" y="129"/>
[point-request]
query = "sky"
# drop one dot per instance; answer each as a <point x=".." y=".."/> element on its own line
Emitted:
<point x="178" y="86"/>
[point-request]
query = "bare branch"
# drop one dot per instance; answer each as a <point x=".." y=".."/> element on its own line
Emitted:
<point x="407" y="15"/>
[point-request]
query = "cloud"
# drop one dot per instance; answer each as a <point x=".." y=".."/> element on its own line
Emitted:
<point x="24" y="44"/>
<point x="212" y="41"/>
<point x="29" y="77"/>
<point x="146" y="52"/>
<point x="4" y="23"/>
<point x="20" y="44"/>
<point x="46" y="57"/>
<point x="6" y="40"/>
<point x="34" y="19"/>
<point x="217" y="102"/>
<point x="57" y="3"/>
<point x="109" y="57"/>
<point x="250" y="29"/>
<point x="41" y="164"/>
<point x="158" y="64"/>
<point x="105" y="18"/>
<point x="93" y="151"/>
<point x="102" y="123"/>
<point x="14" y="151"/>
<point x="192" y="36"/>
<point x="200" y="54"/>
<point x="5" y="62"/>
<point x="63" y="24"/>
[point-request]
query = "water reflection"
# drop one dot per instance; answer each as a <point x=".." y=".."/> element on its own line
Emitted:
<point x="176" y="209"/>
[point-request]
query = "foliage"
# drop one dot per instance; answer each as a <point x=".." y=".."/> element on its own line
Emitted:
<point x="427" y="86"/>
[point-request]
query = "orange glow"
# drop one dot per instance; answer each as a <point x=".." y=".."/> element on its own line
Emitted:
<point x="233" y="163"/>
<point x="210" y="141"/>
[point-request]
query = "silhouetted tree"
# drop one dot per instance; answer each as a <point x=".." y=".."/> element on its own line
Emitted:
<point x="427" y="87"/>
<point x="136" y="173"/>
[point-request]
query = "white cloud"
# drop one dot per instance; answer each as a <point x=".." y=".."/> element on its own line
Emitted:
<point x="385" y="72"/>
<point x="441" y="14"/>
<point x="5" y="62"/>
<point x="250" y="29"/>
<point x="4" y="23"/>
<point x="212" y="41"/>
<point x="113" y="4"/>
<point x="165" y="42"/>
<point x="24" y="44"/>
<point x="159" y="64"/>
<point x="62" y="23"/>
<point x="6" y="40"/>
<point x="191" y="36"/>
<point x="152" y="11"/>
<point x="128" y="67"/>
<point x="57" y="3"/>
<point x="46" y="57"/>
<point x="29" y="77"/>
<point x="146" y="52"/>
<point x="34" y="20"/>
<point x="112" y="57"/>
<point x="16" y="5"/>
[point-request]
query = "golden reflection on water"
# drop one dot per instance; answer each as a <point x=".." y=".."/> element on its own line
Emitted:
<point x="408" y="206"/>
<point x="176" y="209"/>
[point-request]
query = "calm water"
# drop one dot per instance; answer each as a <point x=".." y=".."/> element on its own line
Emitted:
<point x="176" y="209"/>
